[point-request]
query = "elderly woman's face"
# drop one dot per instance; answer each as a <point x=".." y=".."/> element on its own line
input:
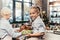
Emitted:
<point x="7" y="15"/>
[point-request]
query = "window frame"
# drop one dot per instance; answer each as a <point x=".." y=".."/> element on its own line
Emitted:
<point x="22" y="2"/>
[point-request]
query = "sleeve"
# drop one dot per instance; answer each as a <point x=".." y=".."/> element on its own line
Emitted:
<point x="39" y="26"/>
<point x="10" y="31"/>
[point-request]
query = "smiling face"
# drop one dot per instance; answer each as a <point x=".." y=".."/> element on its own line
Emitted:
<point x="33" y="13"/>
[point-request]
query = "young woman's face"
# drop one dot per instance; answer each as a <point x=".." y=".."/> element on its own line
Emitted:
<point x="33" y="14"/>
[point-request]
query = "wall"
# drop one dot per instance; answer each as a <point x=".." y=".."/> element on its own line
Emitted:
<point x="0" y="6"/>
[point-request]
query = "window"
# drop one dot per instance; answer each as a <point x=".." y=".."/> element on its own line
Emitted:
<point x="27" y="0"/>
<point x="26" y="11"/>
<point x="52" y="0"/>
<point x="19" y="9"/>
<point x="22" y="10"/>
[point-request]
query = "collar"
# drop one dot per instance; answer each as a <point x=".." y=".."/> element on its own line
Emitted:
<point x="36" y="18"/>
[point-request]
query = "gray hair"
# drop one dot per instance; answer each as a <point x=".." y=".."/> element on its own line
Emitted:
<point x="5" y="10"/>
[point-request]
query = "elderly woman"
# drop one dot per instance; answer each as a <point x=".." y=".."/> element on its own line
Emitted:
<point x="6" y="30"/>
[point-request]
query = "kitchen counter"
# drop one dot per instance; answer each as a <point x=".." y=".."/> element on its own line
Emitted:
<point x="52" y="36"/>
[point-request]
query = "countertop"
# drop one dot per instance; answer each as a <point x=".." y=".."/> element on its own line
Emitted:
<point x="51" y="36"/>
